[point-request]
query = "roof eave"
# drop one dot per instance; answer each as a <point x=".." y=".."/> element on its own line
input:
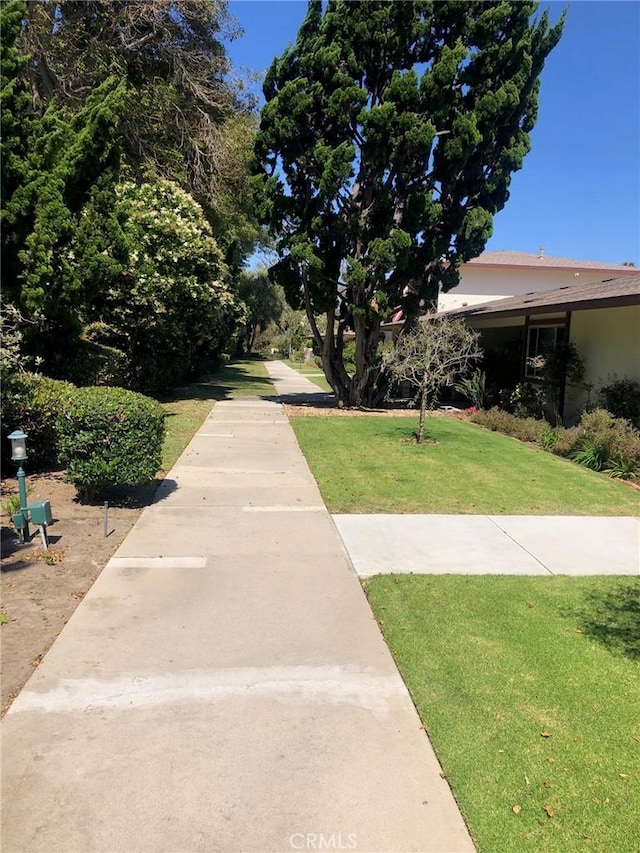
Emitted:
<point x="555" y="308"/>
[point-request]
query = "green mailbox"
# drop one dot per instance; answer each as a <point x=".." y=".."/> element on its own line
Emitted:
<point x="41" y="513"/>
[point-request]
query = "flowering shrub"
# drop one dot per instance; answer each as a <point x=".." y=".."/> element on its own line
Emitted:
<point x="168" y="305"/>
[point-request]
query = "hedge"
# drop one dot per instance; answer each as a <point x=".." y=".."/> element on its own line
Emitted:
<point x="110" y="437"/>
<point x="34" y="404"/>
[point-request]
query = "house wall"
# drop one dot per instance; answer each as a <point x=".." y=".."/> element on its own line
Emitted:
<point x="608" y="341"/>
<point x="484" y="284"/>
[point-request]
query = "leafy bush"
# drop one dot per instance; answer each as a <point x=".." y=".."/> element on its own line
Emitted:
<point x="547" y="436"/>
<point x="529" y="429"/>
<point x="33" y="404"/>
<point x="566" y="441"/>
<point x="609" y="444"/>
<point x="94" y="363"/>
<point x="601" y="441"/>
<point x="563" y="364"/>
<point x="349" y="357"/>
<point x="621" y="397"/>
<point x="166" y="304"/>
<point x="110" y="437"/>
<point x="527" y="400"/>
<point x="497" y="420"/>
<point x="600" y="422"/>
<point x="592" y="453"/>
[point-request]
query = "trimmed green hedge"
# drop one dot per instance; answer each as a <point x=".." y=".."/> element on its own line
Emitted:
<point x="97" y="364"/>
<point x="110" y="437"/>
<point x="33" y="404"/>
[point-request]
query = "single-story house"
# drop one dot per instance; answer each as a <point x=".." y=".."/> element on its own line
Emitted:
<point x="601" y="318"/>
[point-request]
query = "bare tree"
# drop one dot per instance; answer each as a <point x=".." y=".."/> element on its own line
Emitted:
<point x="435" y="353"/>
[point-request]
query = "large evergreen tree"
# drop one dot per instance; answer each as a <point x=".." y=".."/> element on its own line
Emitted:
<point x="264" y="301"/>
<point x="53" y="160"/>
<point x="90" y="87"/>
<point x="186" y="117"/>
<point x="386" y="145"/>
<point x="64" y="161"/>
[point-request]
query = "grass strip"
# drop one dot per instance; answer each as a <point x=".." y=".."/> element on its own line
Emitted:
<point x="190" y="404"/>
<point x="529" y="689"/>
<point x="372" y="465"/>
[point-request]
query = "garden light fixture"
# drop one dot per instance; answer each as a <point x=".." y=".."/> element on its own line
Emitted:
<point x="39" y="513"/>
<point x="18" y="441"/>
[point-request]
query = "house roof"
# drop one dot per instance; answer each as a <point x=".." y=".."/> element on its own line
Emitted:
<point x="611" y="293"/>
<point x="542" y="261"/>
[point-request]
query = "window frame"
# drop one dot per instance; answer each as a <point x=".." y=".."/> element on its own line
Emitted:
<point x="533" y="326"/>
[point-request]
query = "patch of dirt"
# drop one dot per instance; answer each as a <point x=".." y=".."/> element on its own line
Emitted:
<point x="315" y="411"/>
<point x="41" y="589"/>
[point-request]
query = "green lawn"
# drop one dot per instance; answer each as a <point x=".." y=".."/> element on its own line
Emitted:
<point x="311" y="371"/>
<point x="529" y="689"/>
<point x="190" y="404"/>
<point x="371" y="465"/>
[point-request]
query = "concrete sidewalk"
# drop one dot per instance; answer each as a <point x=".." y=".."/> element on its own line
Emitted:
<point x="491" y="544"/>
<point x="480" y="544"/>
<point x="224" y="686"/>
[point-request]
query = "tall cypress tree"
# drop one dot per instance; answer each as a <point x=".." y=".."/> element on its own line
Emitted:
<point x="61" y="162"/>
<point x="15" y="117"/>
<point x="387" y="143"/>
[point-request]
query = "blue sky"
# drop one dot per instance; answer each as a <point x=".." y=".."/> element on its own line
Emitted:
<point x="578" y="194"/>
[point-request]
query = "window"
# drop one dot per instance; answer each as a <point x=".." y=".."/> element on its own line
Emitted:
<point x="541" y="340"/>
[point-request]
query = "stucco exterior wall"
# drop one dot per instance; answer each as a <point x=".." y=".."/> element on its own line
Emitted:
<point x="608" y="340"/>
<point x="483" y="284"/>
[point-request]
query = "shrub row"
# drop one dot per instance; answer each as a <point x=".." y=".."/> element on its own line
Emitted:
<point x="621" y="397"/>
<point x="601" y="441"/>
<point x="105" y="436"/>
<point x="33" y="404"/>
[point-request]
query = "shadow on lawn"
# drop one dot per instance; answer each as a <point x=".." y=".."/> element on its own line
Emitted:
<point x="220" y="386"/>
<point x="614" y="620"/>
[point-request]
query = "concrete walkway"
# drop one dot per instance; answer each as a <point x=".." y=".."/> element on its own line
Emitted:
<point x="491" y="544"/>
<point x="224" y="686"/>
<point x="481" y="544"/>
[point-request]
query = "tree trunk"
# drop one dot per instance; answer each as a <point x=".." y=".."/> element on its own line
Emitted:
<point x="364" y="390"/>
<point x="252" y="333"/>
<point x="361" y="390"/>
<point x="423" y="410"/>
